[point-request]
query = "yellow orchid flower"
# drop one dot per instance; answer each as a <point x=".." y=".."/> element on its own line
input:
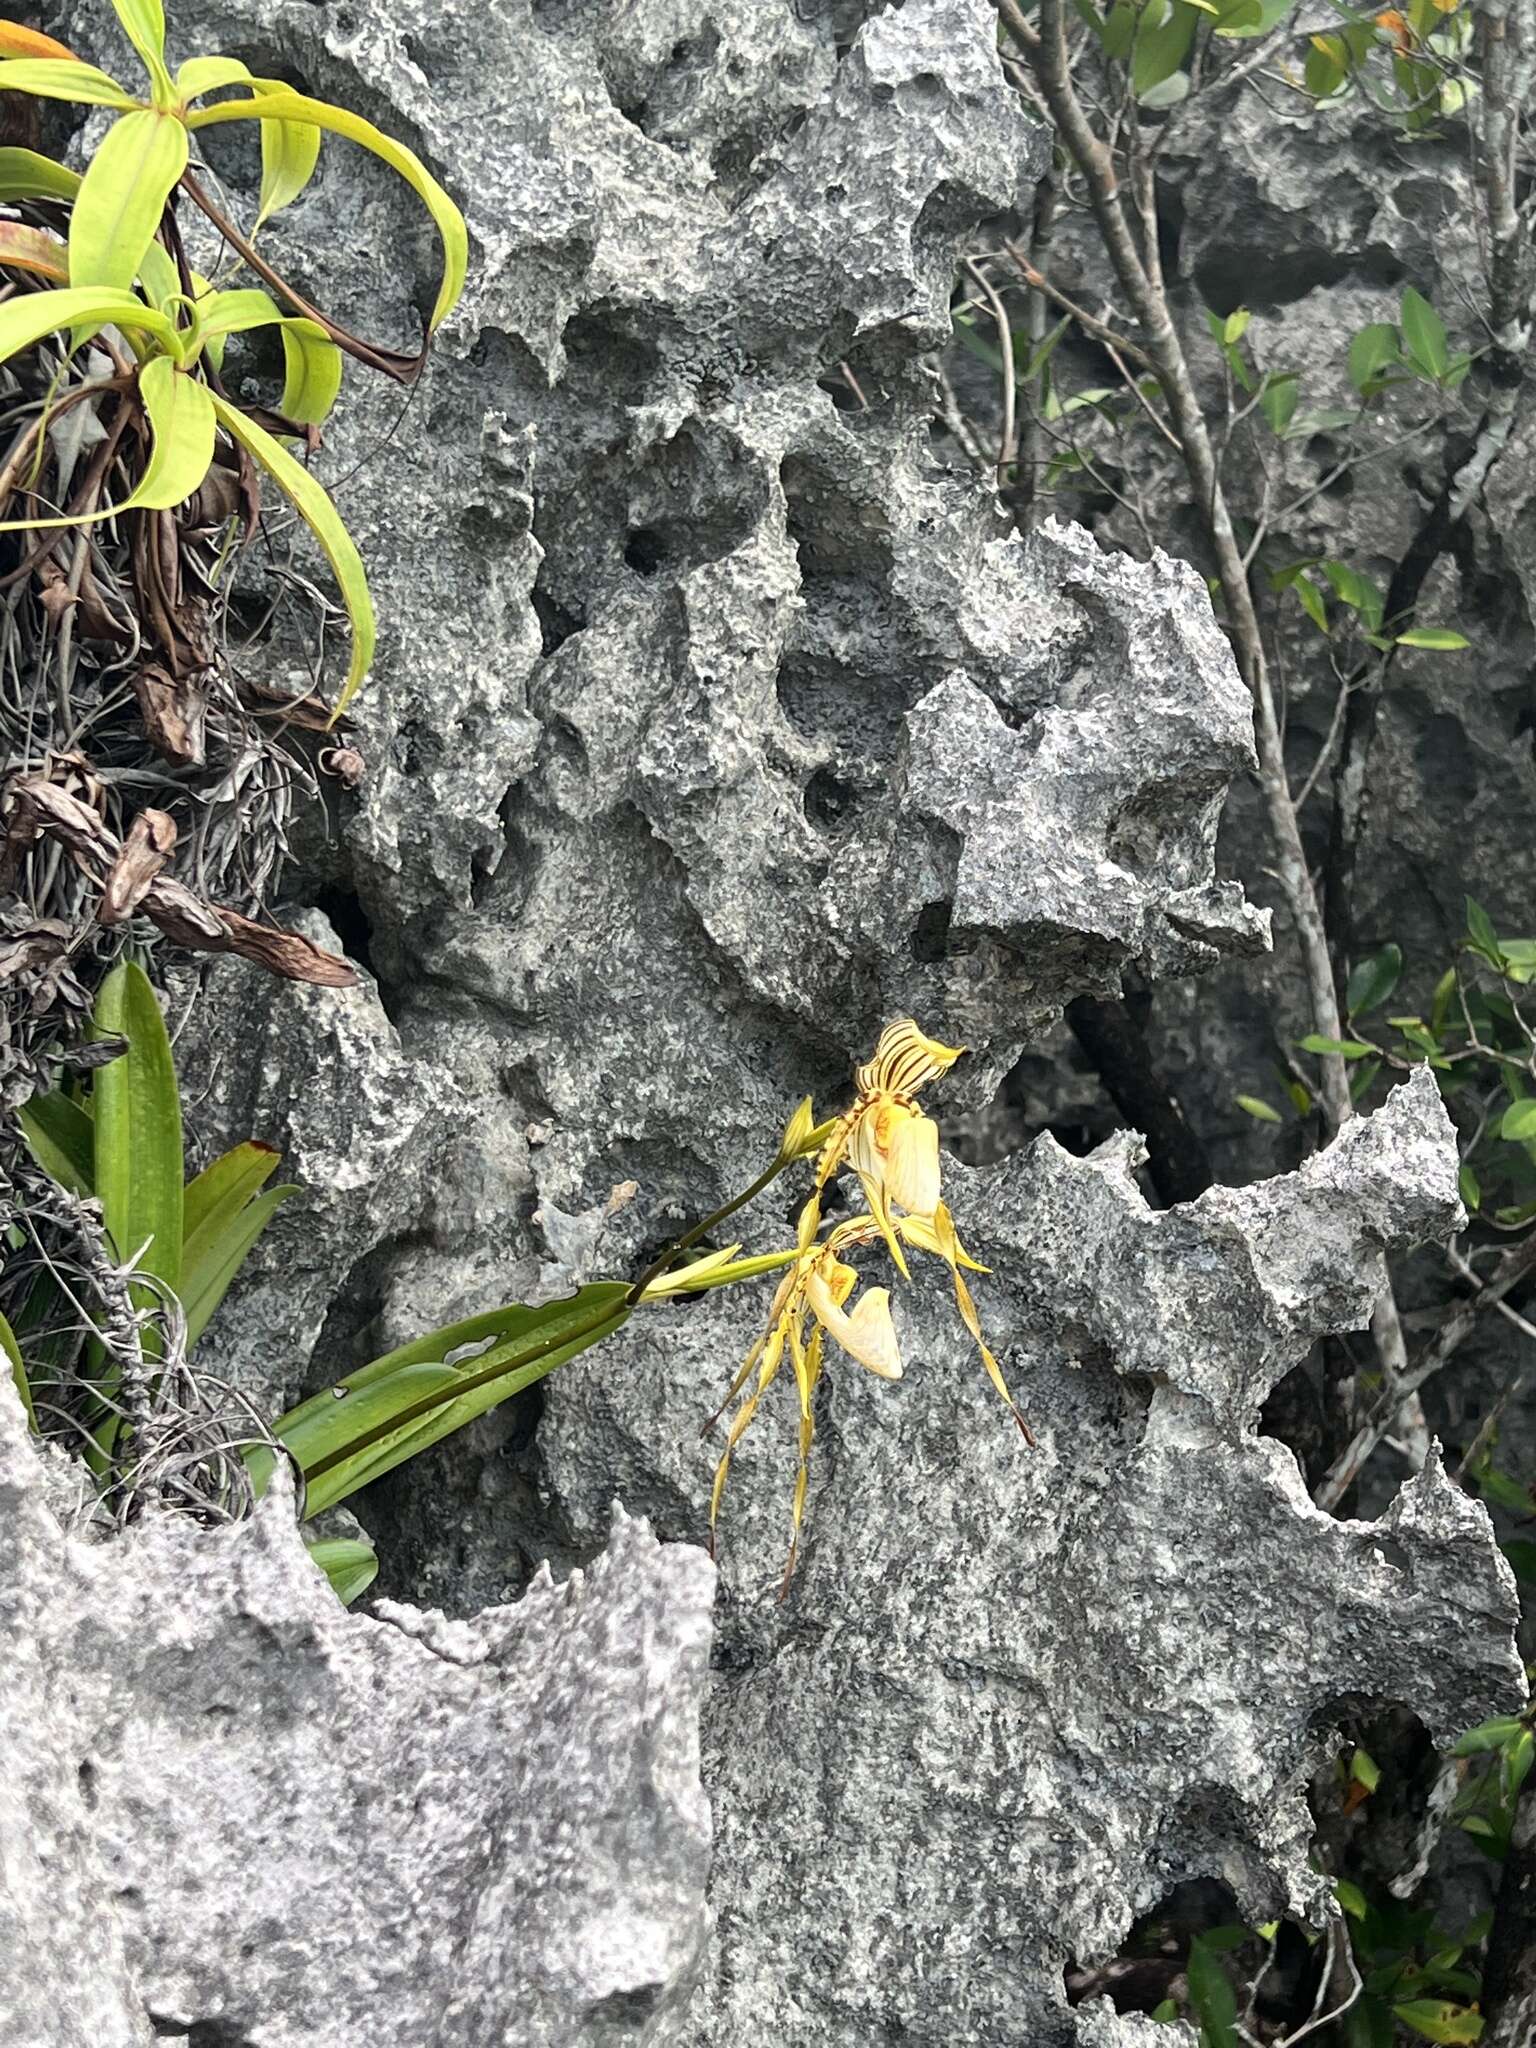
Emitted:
<point x="894" y="1149"/>
<point x="890" y="1144"/>
<point x="817" y="1290"/>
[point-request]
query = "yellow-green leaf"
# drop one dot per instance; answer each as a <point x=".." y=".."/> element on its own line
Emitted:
<point x="144" y="25"/>
<point x="1256" y="1107"/>
<point x="10" y="1349"/>
<point x="1436" y="2019"/>
<point x="289" y="152"/>
<point x="158" y="275"/>
<point x="238" y="312"/>
<point x="51" y="78"/>
<point x="216" y="1196"/>
<point x="138" y="1126"/>
<point x="26" y="319"/>
<point x="206" y="1281"/>
<point x="1442" y="638"/>
<point x="180" y="412"/>
<point x="324" y="521"/>
<point x="295" y="106"/>
<point x="209" y="74"/>
<point x="122" y="197"/>
<point x="314" y="366"/>
<point x="26" y="175"/>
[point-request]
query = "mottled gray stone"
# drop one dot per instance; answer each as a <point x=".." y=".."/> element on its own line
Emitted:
<point x="715" y="722"/>
<point x="230" y="1807"/>
<point x="1016" y="1696"/>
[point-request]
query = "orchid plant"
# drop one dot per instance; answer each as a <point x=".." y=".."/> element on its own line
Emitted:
<point x="119" y="279"/>
<point x="123" y="1144"/>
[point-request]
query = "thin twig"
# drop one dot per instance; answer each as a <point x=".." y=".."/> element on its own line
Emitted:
<point x="1007" y="449"/>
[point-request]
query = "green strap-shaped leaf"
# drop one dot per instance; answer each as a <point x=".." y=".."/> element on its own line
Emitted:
<point x="209" y="74"/>
<point x="295" y="106"/>
<point x="384" y="1414"/>
<point x="498" y="1326"/>
<point x="324" y="521"/>
<point x="144" y="25"/>
<point x="350" y="1566"/>
<point x="10" y="1350"/>
<point x="205" y="1284"/>
<point x="314" y="366"/>
<point x="138" y="1126"/>
<point x="26" y="175"/>
<point x="214" y="1197"/>
<point x="180" y="413"/>
<point x="329" y="1425"/>
<point x="290" y="151"/>
<point x="238" y="312"/>
<point x="50" y="78"/>
<point x="62" y="1139"/>
<point x="122" y="197"/>
<point x="159" y="276"/>
<point x="492" y="1380"/>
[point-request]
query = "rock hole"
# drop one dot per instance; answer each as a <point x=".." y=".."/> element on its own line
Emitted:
<point x="1154" y="1957"/>
<point x="630" y="2008"/>
<point x="829" y="802"/>
<point x="645" y="551"/>
<point x="556" y="624"/>
<point x="86" y="1777"/>
<point x="344" y="911"/>
<point x="930" y="934"/>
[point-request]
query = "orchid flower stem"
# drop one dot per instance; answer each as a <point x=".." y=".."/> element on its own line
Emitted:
<point x="673" y="1286"/>
<point x="701" y="1230"/>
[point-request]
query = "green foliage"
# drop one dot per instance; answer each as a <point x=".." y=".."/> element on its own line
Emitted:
<point x="349" y="1564"/>
<point x="412" y="1398"/>
<point x="1478" y="1038"/>
<point x="124" y="1148"/>
<point x="12" y="1354"/>
<point x="122" y="270"/>
<point x="1373" y="981"/>
<point x="1416" y="1977"/>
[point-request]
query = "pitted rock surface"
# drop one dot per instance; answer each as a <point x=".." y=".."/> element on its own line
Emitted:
<point x="716" y="722"/>
<point x="264" y="1818"/>
<point x="1014" y="1697"/>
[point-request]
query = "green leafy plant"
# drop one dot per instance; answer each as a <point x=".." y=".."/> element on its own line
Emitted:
<point x="121" y="1146"/>
<point x="184" y="1241"/>
<point x="1418" y="1981"/>
<point x="1478" y="1035"/>
<point x="119" y="279"/>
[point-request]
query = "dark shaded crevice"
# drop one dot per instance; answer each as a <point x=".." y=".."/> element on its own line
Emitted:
<point x="1437" y="535"/>
<point x="343" y="910"/>
<point x="1509" y="1970"/>
<point x="1112" y="1037"/>
<point x="556" y="624"/>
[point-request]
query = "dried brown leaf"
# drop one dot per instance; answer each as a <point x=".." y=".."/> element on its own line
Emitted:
<point x="150" y="842"/>
<point x="175" y="714"/>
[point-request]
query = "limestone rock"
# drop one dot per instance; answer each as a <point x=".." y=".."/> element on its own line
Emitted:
<point x="231" y="1809"/>
<point x="715" y="722"/>
<point x="1015" y="1696"/>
